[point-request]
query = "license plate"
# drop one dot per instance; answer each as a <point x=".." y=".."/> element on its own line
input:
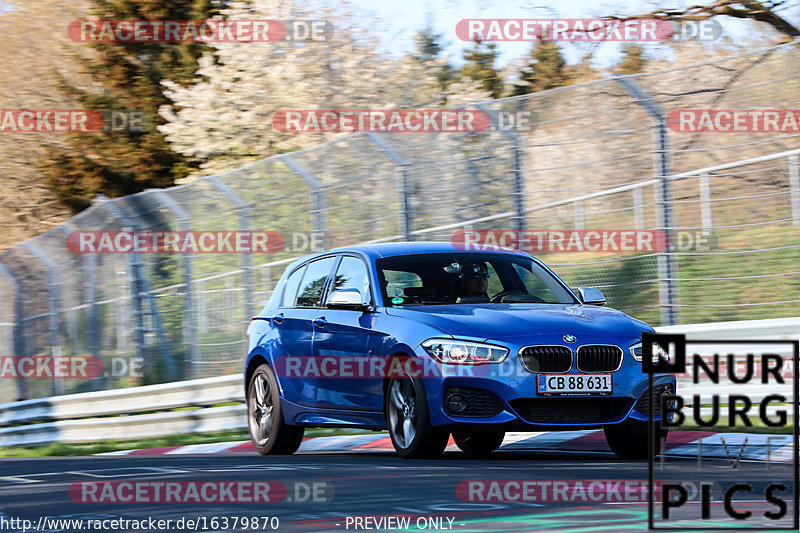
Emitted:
<point x="575" y="384"/>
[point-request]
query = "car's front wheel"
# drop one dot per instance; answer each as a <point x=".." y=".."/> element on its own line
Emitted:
<point x="628" y="440"/>
<point x="408" y="420"/>
<point x="268" y="430"/>
<point x="478" y="442"/>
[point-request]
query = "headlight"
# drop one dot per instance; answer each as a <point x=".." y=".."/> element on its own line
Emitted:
<point x="458" y="352"/>
<point x="658" y="352"/>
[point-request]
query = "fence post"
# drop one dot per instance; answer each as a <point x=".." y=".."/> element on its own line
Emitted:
<point x="705" y="204"/>
<point x="90" y="261"/>
<point x="794" y="184"/>
<point x="579" y="216"/>
<point x="53" y="302"/>
<point x="140" y="287"/>
<point x="70" y="317"/>
<point x="189" y="320"/>
<point x="518" y="185"/>
<point x="638" y="208"/>
<point x="476" y="184"/>
<point x="404" y="186"/>
<point x="17" y="342"/>
<point x="316" y="191"/>
<point x="90" y="288"/>
<point x="519" y="188"/>
<point x="244" y="225"/>
<point x="667" y="271"/>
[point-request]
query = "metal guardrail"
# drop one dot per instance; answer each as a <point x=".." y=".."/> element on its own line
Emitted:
<point x="208" y="420"/>
<point x="161" y="397"/>
<point x="195" y="406"/>
<point x="148" y="411"/>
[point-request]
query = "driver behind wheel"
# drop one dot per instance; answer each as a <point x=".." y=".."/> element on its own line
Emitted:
<point x="473" y="282"/>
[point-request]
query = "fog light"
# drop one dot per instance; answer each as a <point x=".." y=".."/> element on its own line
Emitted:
<point x="456" y="403"/>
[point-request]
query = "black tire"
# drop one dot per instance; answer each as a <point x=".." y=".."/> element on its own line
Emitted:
<point x="478" y="442"/>
<point x="406" y="409"/>
<point x="268" y="430"/>
<point x="629" y="440"/>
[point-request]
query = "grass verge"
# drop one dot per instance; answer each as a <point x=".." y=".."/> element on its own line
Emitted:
<point x="64" y="449"/>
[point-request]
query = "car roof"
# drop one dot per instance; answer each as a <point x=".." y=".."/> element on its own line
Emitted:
<point x="390" y="249"/>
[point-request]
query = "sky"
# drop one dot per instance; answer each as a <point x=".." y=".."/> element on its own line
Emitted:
<point x="404" y="17"/>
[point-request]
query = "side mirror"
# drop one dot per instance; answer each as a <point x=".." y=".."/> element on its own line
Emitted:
<point x="591" y="296"/>
<point x="348" y="299"/>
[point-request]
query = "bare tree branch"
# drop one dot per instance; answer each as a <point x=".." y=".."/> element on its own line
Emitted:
<point x="741" y="9"/>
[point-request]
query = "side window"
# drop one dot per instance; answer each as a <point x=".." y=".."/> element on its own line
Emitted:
<point x="290" y="289"/>
<point x="535" y="285"/>
<point x="310" y="294"/>
<point x="352" y="274"/>
<point x="495" y="285"/>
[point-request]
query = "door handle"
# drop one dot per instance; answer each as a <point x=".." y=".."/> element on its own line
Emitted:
<point x="278" y="318"/>
<point x="320" y="321"/>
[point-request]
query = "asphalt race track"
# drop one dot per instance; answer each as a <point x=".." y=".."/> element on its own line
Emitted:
<point x="369" y="484"/>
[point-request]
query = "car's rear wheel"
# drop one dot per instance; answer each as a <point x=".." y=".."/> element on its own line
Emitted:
<point x="408" y="419"/>
<point x="629" y="440"/>
<point x="478" y="442"/>
<point x="268" y="430"/>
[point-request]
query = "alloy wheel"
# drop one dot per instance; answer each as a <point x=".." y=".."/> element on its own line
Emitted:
<point x="402" y="412"/>
<point x="260" y="419"/>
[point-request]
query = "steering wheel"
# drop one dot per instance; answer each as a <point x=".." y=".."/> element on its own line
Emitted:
<point x="499" y="296"/>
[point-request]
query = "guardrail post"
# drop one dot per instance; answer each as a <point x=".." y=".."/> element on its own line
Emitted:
<point x="18" y="340"/>
<point x="53" y="302"/>
<point x="318" y="204"/>
<point x="667" y="270"/>
<point x="189" y="321"/>
<point x="404" y="185"/>
<point x="705" y="204"/>
<point x="244" y="225"/>
<point x="794" y="185"/>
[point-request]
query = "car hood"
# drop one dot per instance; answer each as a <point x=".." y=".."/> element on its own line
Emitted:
<point x="506" y="321"/>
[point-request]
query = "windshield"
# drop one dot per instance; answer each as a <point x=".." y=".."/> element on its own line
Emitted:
<point x="468" y="278"/>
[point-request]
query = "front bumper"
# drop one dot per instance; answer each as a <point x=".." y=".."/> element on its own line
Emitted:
<point x="505" y="396"/>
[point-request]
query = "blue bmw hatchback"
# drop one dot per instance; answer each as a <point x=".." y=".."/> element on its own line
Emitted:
<point x="428" y="339"/>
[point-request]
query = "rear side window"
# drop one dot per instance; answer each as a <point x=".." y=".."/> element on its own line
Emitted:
<point x="290" y="289"/>
<point x="310" y="294"/>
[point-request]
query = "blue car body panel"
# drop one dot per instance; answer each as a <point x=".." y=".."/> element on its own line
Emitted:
<point x="277" y="332"/>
